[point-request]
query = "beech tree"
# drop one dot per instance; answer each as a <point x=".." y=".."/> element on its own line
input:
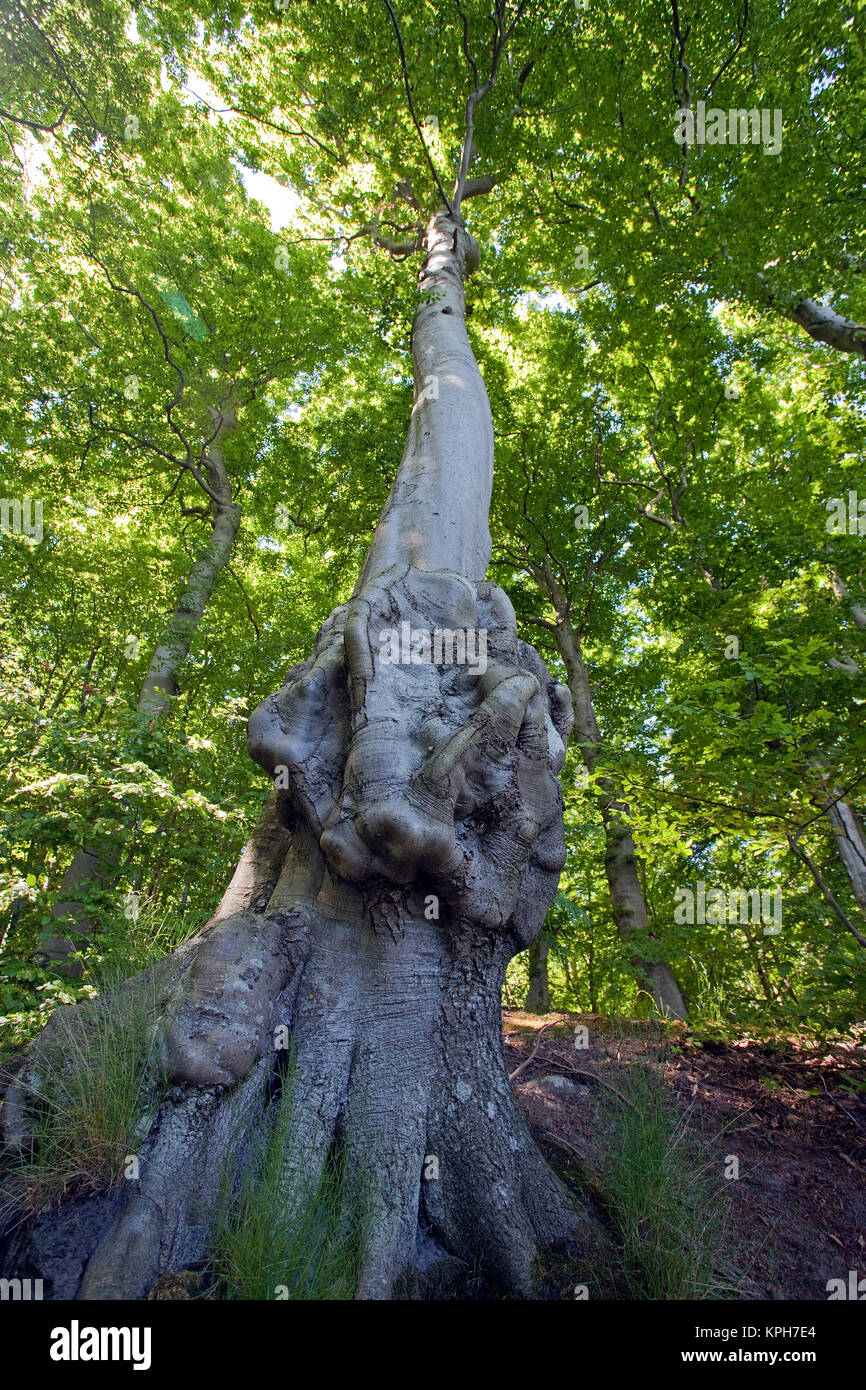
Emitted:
<point x="413" y="835"/>
<point x="419" y="844"/>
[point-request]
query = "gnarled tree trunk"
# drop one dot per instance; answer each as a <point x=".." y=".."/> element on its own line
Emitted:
<point x="418" y="831"/>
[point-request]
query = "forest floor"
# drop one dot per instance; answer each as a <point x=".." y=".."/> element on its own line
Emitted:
<point x="791" y="1112"/>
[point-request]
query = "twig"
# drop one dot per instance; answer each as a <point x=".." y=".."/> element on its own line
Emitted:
<point x="518" y="1071"/>
<point x="563" y="1144"/>
<point x="577" y="1071"/>
<point x="829" y="1094"/>
<point x="828" y="895"/>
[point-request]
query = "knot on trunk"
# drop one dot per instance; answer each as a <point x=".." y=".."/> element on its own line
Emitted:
<point x="223" y="1012"/>
<point x="421" y="743"/>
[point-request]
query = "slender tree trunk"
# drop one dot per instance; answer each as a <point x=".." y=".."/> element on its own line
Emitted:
<point x="772" y="997"/>
<point x="571" y="979"/>
<point x="538" y="994"/>
<point x="89" y="866"/>
<point x="628" y="903"/>
<point x="425" y="841"/>
<point x="847" y="828"/>
<point x="160" y="683"/>
<point x="850" y="844"/>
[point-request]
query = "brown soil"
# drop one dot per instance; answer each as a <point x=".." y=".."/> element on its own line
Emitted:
<point x="792" y="1112"/>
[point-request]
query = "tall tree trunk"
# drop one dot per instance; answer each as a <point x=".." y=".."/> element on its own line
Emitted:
<point x="425" y="844"/>
<point x="847" y="828"/>
<point x="89" y="866"/>
<point x="160" y="683"/>
<point x="627" y="900"/>
<point x="538" y="994"/>
<point x="850" y="844"/>
<point x="590" y="969"/>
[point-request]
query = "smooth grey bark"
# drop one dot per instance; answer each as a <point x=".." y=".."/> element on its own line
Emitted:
<point x="628" y="903"/>
<point x="820" y="321"/>
<point x="160" y="683"/>
<point x="851" y="845"/>
<point x="418" y="821"/>
<point x="848" y="832"/>
<point x="825" y="325"/>
<point x="436" y="516"/>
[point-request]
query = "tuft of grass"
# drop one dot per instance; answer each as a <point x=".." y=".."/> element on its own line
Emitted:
<point x="667" y="1198"/>
<point x="127" y="947"/>
<point x="96" y="1083"/>
<point x="308" y="1247"/>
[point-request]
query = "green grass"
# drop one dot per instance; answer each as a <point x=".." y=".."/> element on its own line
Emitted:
<point x="130" y="946"/>
<point x="309" y="1247"/>
<point x="98" y="1079"/>
<point x="668" y="1199"/>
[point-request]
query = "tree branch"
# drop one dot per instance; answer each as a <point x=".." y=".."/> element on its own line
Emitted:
<point x="237" y="580"/>
<point x="825" y="891"/>
<point x="475" y="96"/>
<point x="390" y="8"/>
